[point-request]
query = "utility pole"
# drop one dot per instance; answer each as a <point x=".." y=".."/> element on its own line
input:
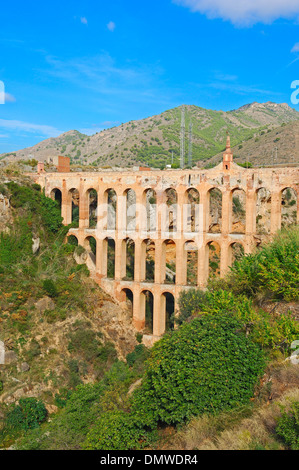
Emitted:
<point x="182" y="159"/>
<point x="190" y="146"/>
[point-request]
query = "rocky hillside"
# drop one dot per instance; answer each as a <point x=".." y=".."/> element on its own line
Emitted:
<point x="59" y="328"/>
<point x="154" y="140"/>
<point x="278" y="146"/>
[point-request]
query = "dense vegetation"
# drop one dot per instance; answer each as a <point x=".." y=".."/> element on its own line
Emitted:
<point x="211" y="365"/>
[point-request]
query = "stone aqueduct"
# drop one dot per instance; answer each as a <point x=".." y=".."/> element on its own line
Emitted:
<point x="227" y="177"/>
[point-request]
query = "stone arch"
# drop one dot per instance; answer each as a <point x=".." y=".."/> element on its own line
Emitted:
<point x="213" y="256"/>
<point x="148" y="251"/>
<point x="90" y="244"/>
<point x="147" y="310"/>
<point x="238" y="211"/>
<point x="150" y="198"/>
<point x="171" y="199"/>
<point x="235" y="252"/>
<point x="192" y="200"/>
<point x="128" y="297"/>
<point x="168" y="262"/>
<point x="190" y="262"/>
<point x="72" y="240"/>
<point x="92" y="200"/>
<point x="214" y="210"/>
<point x="289" y="206"/>
<point x="56" y="195"/>
<point x="130" y="196"/>
<point x="73" y="206"/>
<point x="128" y="246"/>
<point x="110" y="199"/>
<point x="108" y="258"/>
<point x="263" y="211"/>
<point x="168" y="309"/>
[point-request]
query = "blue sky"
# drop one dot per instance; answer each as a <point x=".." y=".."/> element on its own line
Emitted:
<point x="95" y="64"/>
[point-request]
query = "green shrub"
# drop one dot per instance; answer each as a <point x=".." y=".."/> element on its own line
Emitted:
<point x="288" y="427"/>
<point x="50" y="288"/>
<point x="273" y="271"/>
<point x="29" y="414"/>
<point x="207" y="365"/>
<point x="116" y="430"/>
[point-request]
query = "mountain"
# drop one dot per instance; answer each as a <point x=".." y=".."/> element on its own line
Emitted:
<point x="279" y="146"/>
<point x="152" y="141"/>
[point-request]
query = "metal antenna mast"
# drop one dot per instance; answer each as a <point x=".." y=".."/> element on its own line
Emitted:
<point x="190" y="146"/>
<point x="182" y="161"/>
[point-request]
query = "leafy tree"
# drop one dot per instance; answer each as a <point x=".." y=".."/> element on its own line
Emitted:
<point x="29" y="414"/>
<point x="208" y="365"/>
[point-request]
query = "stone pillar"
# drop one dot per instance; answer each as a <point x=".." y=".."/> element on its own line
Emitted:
<point x="275" y="211"/>
<point x="66" y="205"/>
<point x="250" y="212"/>
<point x="138" y="260"/>
<point x="203" y="265"/>
<point x="138" y="310"/>
<point x="226" y="220"/>
<point x="181" y="263"/>
<point x="205" y="201"/>
<point x="120" y="258"/>
<point x="83" y="207"/>
<point x="224" y="258"/>
<point x="159" y="262"/>
<point x="159" y="314"/>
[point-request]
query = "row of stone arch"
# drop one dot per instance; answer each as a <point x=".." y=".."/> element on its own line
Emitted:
<point x="189" y="262"/>
<point x="237" y="201"/>
<point x="146" y="308"/>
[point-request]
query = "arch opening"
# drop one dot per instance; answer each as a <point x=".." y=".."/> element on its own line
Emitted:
<point x="56" y="195"/>
<point x="147" y="306"/>
<point x="193" y="200"/>
<point x="215" y="210"/>
<point x="213" y="253"/>
<point x="151" y="210"/>
<point x="148" y="253"/>
<point x="74" y="197"/>
<point x="169" y="261"/>
<point x="92" y="207"/>
<point x="263" y="211"/>
<point x="130" y="210"/>
<point x="191" y="257"/>
<point x="90" y="245"/>
<point x="169" y="306"/>
<point x="129" y="246"/>
<point x="171" y="210"/>
<point x="128" y="299"/>
<point x="111" y="202"/>
<point x="238" y="223"/>
<point x="72" y="240"/>
<point x="289" y="207"/>
<point x="236" y="252"/>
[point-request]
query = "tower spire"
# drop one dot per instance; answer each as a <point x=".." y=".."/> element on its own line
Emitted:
<point x="228" y="154"/>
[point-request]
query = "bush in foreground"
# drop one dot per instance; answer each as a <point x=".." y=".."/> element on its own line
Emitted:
<point x="208" y="365"/>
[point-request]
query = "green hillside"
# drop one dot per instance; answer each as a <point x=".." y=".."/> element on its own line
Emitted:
<point x="153" y="141"/>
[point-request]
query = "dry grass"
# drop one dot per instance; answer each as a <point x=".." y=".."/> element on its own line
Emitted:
<point x="244" y="429"/>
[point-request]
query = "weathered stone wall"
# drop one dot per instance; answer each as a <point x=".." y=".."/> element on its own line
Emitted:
<point x="229" y="178"/>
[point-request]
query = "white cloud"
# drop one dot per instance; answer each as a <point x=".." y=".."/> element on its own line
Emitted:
<point x="84" y="20"/>
<point x="295" y="47"/>
<point x="111" y="26"/>
<point x="244" y="12"/>
<point x="15" y="125"/>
